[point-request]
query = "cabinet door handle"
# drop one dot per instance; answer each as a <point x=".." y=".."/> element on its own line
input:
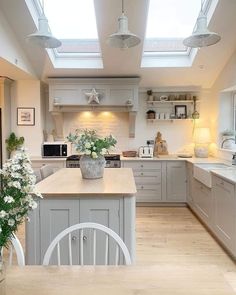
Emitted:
<point x="142" y="166"/>
<point x="141" y="187"/>
<point x="85" y="238"/>
<point x="73" y="238"/>
<point x="142" y="173"/>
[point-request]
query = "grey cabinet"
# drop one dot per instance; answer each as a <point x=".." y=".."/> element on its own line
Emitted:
<point x="189" y="196"/>
<point x="106" y="212"/>
<point x="55" y="214"/>
<point x="225" y="212"/>
<point x="202" y="199"/>
<point x="56" y="164"/>
<point x="148" y="178"/>
<point x="176" y="181"/>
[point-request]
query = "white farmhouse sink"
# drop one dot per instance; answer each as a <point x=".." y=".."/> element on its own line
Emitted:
<point x="202" y="172"/>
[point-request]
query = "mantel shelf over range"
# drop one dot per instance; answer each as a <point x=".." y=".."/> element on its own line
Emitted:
<point x="168" y="120"/>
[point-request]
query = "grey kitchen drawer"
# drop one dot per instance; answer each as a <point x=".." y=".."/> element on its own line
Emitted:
<point x="140" y="165"/>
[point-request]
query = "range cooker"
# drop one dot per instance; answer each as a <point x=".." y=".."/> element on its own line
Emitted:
<point x="112" y="161"/>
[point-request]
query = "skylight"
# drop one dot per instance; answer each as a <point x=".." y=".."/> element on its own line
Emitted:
<point x="74" y="23"/>
<point x="169" y="22"/>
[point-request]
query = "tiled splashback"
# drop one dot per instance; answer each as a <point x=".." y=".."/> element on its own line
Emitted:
<point x="177" y="134"/>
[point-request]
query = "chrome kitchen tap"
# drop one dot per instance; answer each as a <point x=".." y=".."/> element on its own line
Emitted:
<point x="225" y="140"/>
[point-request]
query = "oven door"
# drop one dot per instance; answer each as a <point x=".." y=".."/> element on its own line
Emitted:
<point x="51" y="150"/>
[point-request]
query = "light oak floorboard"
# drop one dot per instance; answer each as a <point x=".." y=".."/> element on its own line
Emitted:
<point x="174" y="236"/>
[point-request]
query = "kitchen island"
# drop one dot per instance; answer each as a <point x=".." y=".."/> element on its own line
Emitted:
<point x="69" y="199"/>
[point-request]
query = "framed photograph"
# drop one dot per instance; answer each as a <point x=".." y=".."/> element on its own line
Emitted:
<point x="25" y="116"/>
<point x="181" y="111"/>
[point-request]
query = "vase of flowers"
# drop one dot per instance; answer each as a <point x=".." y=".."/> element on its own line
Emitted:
<point x="18" y="197"/>
<point x="93" y="148"/>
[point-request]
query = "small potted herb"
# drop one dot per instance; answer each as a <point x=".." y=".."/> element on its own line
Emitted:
<point x="14" y="143"/>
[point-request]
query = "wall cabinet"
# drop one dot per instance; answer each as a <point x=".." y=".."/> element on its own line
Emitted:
<point x="55" y="214"/>
<point x="159" y="181"/>
<point x="225" y="212"/>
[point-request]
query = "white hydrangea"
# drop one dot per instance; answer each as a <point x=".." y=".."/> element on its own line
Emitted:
<point x="94" y="155"/>
<point x="87" y="152"/>
<point x="3" y="214"/>
<point x="11" y="222"/>
<point x="8" y="199"/>
<point x="87" y="145"/>
<point x="103" y="151"/>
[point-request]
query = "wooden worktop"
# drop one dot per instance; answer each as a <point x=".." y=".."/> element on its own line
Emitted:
<point x="69" y="181"/>
<point x="128" y="280"/>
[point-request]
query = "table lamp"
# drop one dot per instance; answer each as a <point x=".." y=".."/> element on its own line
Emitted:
<point x="202" y="139"/>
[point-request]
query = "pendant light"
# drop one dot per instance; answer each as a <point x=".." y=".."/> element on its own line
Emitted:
<point x="123" y="38"/>
<point x="201" y="37"/>
<point x="43" y="37"/>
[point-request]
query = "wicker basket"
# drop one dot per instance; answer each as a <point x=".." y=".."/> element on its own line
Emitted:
<point x="129" y="154"/>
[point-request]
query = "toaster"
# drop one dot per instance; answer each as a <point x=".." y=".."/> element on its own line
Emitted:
<point x="146" y="152"/>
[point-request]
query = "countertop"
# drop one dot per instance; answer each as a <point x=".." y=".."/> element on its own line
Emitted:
<point x="69" y="181"/>
<point x="229" y="174"/>
<point x="161" y="279"/>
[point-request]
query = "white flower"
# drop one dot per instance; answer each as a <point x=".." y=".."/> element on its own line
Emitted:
<point x="33" y="205"/>
<point x="8" y="199"/>
<point x="87" y="145"/>
<point x="103" y="151"/>
<point x="0" y="229"/>
<point x="94" y="155"/>
<point x="92" y="143"/>
<point x="94" y="148"/>
<point x="3" y="214"/>
<point x="87" y="152"/>
<point x="11" y="222"/>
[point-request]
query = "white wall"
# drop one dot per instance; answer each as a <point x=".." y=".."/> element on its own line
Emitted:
<point x="226" y="79"/>
<point x="26" y="93"/>
<point x="10" y="49"/>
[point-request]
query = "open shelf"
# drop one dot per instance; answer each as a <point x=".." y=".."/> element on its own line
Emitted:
<point x="168" y="120"/>
<point x="157" y="102"/>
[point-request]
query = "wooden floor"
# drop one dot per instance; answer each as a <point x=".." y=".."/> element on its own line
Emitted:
<point x="174" y="236"/>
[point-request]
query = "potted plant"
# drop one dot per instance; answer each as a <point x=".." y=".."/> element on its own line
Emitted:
<point x="93" y="148"/>
<point x="18" y="197"/>
<point x="14" y="143"/>
<point x="150" y="95"/>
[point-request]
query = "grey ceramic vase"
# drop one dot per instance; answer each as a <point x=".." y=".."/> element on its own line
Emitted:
<point x="92" y="168"/>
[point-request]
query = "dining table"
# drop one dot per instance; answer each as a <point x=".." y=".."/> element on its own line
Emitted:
<point x="160" y="279"/>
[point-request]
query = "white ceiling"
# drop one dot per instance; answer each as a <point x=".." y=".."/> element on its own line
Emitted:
<point x="127" y="63"/>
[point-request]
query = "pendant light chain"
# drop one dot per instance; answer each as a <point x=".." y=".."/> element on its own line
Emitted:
<point x="123" y="6"/>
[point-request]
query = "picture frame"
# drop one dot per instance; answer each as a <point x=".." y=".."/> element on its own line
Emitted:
<point x="181" y="111"/>
<point x="25" y="116"/>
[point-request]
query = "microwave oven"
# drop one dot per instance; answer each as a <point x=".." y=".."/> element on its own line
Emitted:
<point x="55" y="149"/>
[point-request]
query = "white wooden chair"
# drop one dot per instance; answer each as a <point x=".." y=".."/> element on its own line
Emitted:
<point x="81" y="226"/>
<point x="38" y="175"/>
<point x="16" y="247"/>
<point x="46" y="171"/>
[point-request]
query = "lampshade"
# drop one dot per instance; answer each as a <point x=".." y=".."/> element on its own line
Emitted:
<point x="43" y="37"/>
<point x="202" y="135"/>
<point x="123" y="38"/>
<point x="201" y="37"/>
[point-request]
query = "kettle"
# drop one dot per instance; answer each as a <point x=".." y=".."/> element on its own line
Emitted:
<point x="146" y="152"/>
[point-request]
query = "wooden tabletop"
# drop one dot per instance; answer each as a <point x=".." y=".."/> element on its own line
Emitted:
<point x="69" y="181"/>
<point x="125" y="280"/>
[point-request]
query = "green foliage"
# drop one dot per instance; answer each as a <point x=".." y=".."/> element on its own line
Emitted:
<point x="89" y="143"/>
<point x="13" y="142"/>
<point x="18" y="195"/>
